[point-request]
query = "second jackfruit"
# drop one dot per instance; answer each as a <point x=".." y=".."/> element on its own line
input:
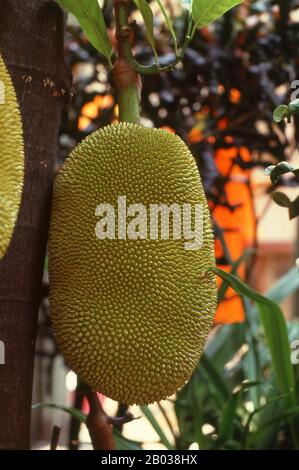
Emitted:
<point x="11" y="158"/>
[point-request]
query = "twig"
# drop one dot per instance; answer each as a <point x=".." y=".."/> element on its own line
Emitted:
<point x="55" y="438"/>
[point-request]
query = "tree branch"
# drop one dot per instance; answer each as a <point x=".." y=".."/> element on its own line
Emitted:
<point x="31" y="42"/>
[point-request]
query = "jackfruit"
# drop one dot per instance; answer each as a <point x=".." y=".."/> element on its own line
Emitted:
<point x="11" y="158"/>
<point x="131" y="312"/>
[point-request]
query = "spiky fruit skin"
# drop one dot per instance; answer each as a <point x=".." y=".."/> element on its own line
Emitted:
<point x="11" y="158"/>
<point x="130" y="316"/>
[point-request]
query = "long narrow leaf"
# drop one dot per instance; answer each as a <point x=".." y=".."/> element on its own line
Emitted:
<point x="67" y="409"/>
<point x="234" y="268"/>
<point x="275" y="330"/>
<point x="148" y="19"/>
<point x="283" y="417"/>
<point x="121" y="442"/>
<point x="168" y="23"/>
<point x="230" y="411"/>
<point x="149" y="415"/>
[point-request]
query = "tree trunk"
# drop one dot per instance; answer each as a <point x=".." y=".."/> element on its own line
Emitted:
<point x="31" y="43"/>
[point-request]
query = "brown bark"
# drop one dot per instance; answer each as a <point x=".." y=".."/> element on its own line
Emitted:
<point x="98" y="424"/>
<point x="31" y="42"/>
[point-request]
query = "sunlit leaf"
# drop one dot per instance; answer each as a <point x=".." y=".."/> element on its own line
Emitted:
<point x="280" y="113"/>
<point x="168" y="22"/>
<point x="207" y="11"/>
<point x="148" y="19"/>
<point x="91" y="20"/>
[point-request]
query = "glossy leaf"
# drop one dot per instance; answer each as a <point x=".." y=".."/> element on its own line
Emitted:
<point x="280" y="113"/>
<point x="285" y="111"/>
<point x="207" y="11"/>
<point x="148" y="19"/>
<point x="91" y="20"/>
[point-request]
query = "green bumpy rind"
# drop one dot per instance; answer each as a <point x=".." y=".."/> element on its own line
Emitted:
<point x="11" y="158"/>
<point x="130" y="316"/>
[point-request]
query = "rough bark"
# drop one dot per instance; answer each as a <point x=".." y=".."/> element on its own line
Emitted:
<point x="31" y="43"/>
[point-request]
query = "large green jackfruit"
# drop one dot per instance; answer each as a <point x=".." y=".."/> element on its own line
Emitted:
<point x="131" y="316"/>
<point x="11" y="158"/>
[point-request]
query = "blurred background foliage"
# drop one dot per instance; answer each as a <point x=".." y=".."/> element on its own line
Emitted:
<point x="220" y="100"/>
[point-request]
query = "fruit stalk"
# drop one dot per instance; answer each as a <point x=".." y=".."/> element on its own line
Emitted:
<point x="126" y="79"/>
<point x="99" y="428"/>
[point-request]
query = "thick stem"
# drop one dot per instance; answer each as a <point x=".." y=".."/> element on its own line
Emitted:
<point x="126" y="79"/>
<point x="128" y="103"/>
<point x="100" y="430"/>
<point x="31" y="42"/>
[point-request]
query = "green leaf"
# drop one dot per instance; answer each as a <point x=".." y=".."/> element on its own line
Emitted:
<point x="251" y="361"/>
<point x="149" y="415"/>
<point x="280" y="419"/>
<point x="271" y="406"/>
<point x="276" y="333"/>
<point x="294" y="208"/>
<point x="148" y="19"/>
<point x="283" y="111"/>
<point x="207" y="11"/>
<point x="280" y="113"/>
<point x="168" y="23"/>
<point x="122" y="443"/>
<point x="71" y="411"/>
<point x="281" y="199"/>
<point x="91" y="20"/>
<point x="223" y="346"/>
<point x="198" y="417"/>
<point x="234" y="269"/>
<point x="216" y="379"/>
<point x="230" y="411"/>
